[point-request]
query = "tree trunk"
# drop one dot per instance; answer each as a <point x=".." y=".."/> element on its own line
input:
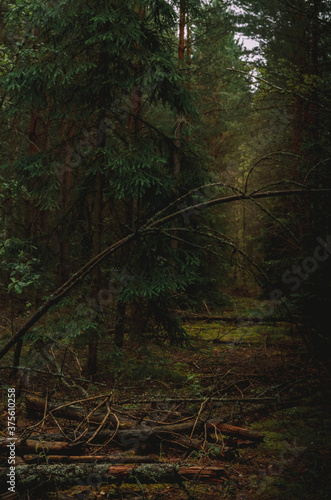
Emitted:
<point x="17" y="355"/>
<point x="64" y="175"/>
<point x="92" y="362"/>
<point x="179" y="118"/>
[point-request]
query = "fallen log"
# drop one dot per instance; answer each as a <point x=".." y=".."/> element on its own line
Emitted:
<point x="144" y="439"/>
<point x="138" y="438"/>
<point x="139" y="432"/>
<point x="231" y="430"/>
<point x="24" y="446"/>
<point x="190" y="444"/>
<point x="129" y="438"/>
<point x="42" y="478"/>
<point x="190" y="316"/>
<point x="113" y="459"/>
<point x="171" y="428"/>
<point x="213" y="399"/>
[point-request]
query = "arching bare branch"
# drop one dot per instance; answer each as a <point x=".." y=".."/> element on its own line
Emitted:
<point x="77" y="277"/>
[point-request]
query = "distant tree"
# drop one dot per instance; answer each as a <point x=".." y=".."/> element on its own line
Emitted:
<point x="293" y="87"/>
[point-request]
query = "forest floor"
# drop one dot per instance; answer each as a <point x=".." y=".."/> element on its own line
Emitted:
<point x="251" y="375"/>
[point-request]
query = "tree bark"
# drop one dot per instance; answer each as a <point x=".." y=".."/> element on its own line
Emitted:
<point x="179" y="119"/>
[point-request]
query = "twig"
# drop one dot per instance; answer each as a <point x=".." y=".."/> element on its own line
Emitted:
<point x="86" y="418"/>
<point x="60" y="428"/>
<point x="26" y="431"/>
<point x="102" y="423"/>
<point x="66" y="384"/>
<point x="217" y="434"/>
<point x="202" y="406"/>
<point x="45" y="411"/>
<point x="112" y="436"/>
<point x="79" y="401"/>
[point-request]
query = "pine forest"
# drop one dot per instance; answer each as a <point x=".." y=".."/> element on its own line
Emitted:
<point x="165" y="243"/>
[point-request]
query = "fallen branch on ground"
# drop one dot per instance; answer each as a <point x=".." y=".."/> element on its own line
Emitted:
<point x="190" y="316"/>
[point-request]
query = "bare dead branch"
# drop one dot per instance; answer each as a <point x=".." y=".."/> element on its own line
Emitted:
<point x="77" y="277"/>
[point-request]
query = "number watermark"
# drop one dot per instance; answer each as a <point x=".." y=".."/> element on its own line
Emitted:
<point x="11" y="481"/>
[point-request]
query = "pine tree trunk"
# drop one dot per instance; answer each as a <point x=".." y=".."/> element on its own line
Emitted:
<point x="92" y="363"/>
<point x="65" y="198"/>
<point x="179" y="118"/>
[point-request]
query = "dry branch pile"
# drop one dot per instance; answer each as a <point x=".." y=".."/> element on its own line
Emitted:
<point x="110" y="443"/>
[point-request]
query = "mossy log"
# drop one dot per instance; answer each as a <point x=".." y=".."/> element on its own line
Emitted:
<point x="118" y="458"/>
<point x="43" y="478"/>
